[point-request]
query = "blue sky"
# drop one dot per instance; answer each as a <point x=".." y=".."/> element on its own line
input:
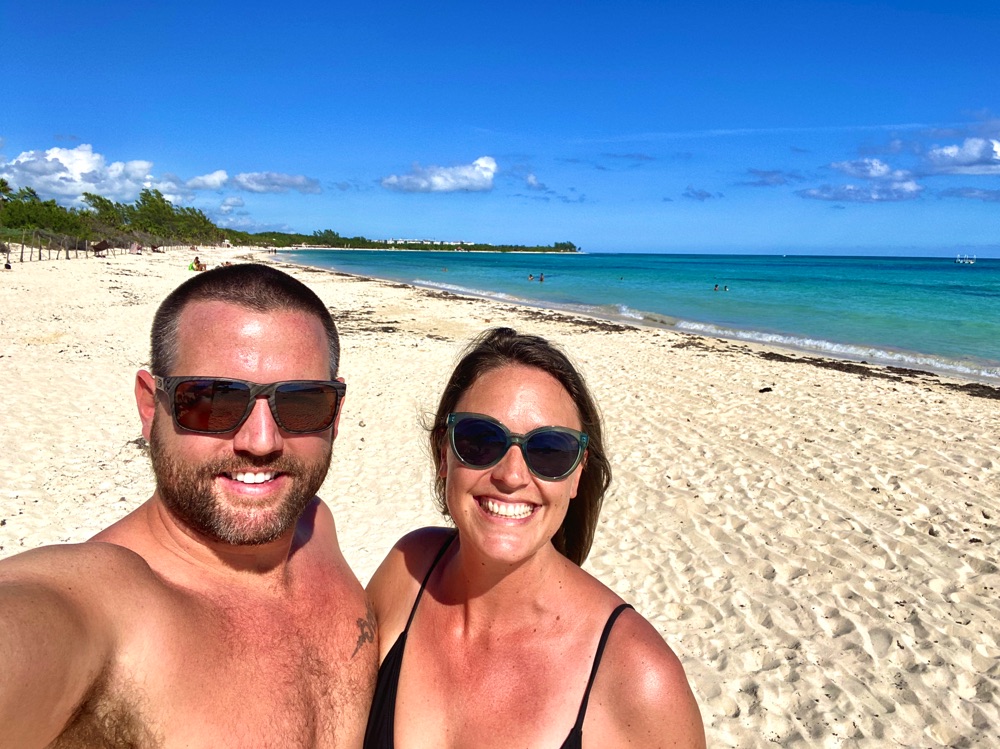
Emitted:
<point x="867" y="127"/>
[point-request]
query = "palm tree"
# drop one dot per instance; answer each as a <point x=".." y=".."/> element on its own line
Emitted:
<point x="27" y="195"/>
<point x="6" y="191"/>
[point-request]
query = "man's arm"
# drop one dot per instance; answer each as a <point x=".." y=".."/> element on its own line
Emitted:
<point x="55" y="641"/>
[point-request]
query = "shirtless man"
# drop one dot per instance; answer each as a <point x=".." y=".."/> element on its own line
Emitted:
<point x="221" y="612"/>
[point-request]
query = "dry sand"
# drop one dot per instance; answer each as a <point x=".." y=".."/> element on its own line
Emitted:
<point x="816" y="540"/>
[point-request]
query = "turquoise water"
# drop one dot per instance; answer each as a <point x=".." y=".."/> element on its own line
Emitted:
<point x="923" y="313"/>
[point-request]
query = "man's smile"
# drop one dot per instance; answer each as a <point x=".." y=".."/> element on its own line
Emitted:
<point x="252" y="477"/>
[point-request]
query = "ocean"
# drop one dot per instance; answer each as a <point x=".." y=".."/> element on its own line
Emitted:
<point x="920" y="313"/>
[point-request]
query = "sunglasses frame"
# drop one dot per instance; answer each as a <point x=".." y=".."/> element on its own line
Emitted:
<point x="169" y="386"/>
<point x="513" y="438"/>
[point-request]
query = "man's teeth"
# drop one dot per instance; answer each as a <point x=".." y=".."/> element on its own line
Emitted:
<point x="253" y="478"/>
<point x="506" y="509"/>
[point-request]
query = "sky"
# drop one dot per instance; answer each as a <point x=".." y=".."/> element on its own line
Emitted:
<point x="855" y="127"/>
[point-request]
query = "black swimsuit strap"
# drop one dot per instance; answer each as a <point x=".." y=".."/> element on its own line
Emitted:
<point x="427" y="577"/>
<point x="597" y="662"/>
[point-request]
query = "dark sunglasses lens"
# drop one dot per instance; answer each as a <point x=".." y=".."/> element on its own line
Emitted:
<point x="551" y="454"/>
<point x="305" y="407"/>
<point x="479" y="443"/>
<point x="210" y="405"/>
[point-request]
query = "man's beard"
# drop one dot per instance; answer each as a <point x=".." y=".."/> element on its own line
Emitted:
<point x="187" y="491"/>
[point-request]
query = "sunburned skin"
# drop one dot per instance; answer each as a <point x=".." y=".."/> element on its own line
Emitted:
<point x="490" y="637"/>
<point x="219" y="613"/>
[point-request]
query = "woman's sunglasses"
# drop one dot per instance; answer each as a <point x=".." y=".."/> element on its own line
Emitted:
<point x="211" y="405"/>
<point x="551" y="453"/>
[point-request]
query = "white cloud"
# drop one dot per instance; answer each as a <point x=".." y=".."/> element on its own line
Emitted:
<point x="972" y="193"/>
<point x="882" y="192"/>
<point x="700" y="195"/>
<point x="275" y="182"/>
<point x="533" y="184"/>
<point x="974" y="156"/>
<point x="871" y="169"/>
<point x="477" y="176"/>
<point x="243" y="222"/>
<point x="214" y="181"/>
<point x="229" y="204"/>
<point x="68" y="172"/>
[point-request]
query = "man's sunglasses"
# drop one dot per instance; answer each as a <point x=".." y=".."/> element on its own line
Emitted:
<point x="551" y="453"/>
<point x="212" y="405"/>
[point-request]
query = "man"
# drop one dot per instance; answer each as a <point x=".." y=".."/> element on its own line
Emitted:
<point x="220" y="613"/>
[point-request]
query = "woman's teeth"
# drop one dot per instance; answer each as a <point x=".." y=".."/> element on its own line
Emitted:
<point x="507" y="509"/>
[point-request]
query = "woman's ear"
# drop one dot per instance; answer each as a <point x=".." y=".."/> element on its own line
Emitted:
<point x="577" y="475"/>
<point x="443" y="462"/>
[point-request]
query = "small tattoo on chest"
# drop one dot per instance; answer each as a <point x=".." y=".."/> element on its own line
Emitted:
<point x="366" y="629"/>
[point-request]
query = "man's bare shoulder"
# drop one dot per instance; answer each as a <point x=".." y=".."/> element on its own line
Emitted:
<point x="93" y="563"/>
<point x="101" y="582"/>
<point x="64" y="612"/>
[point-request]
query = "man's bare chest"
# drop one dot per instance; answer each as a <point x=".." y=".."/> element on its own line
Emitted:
<point x="238" y="676"/>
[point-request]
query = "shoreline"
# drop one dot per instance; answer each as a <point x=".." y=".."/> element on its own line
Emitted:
<point x="886" y="367"/>
<point x="817" y="544"/>
<point x="427" y="249"/>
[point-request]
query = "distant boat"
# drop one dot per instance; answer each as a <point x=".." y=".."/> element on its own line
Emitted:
<point x="965" y="260"/>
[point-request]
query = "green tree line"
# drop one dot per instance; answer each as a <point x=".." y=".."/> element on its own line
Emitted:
<point x="150" y="216"/>
<point x="153" y="218"/>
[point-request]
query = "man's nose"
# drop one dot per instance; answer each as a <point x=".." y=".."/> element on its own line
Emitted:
<point x="259" y="434"/>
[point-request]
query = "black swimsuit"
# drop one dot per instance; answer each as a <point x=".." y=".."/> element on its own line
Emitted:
<point x="382" y="718"/>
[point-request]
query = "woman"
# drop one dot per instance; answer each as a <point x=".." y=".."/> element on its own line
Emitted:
<point x="491" y="634"/>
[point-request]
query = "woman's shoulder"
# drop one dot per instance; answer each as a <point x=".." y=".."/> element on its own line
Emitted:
<point x="393" y="587"/>
<point x="412" y="555"/>
<point x="649" y="698"/>
<point x="422" y="542"/>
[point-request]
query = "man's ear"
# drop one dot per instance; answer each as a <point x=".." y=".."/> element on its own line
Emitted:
<point x="340" y="411"/>
<point x="145" y="400"/>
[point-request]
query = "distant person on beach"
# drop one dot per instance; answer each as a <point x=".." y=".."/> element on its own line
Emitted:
<point x="531" y="276"/>
<point x="716" y="287"/>
<point x="491" y="635"/>
<point x="221" y="612"/>
<point x="196" y="264"/>
<point x="541" y="277"/>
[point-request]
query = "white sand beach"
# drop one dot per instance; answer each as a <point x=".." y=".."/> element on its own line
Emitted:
<point x="817" y="541"/>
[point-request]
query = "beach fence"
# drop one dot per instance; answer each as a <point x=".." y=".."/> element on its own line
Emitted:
<point x="46" y="245"/>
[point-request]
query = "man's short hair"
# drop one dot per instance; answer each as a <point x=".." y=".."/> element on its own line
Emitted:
<point x="255" y="287"/>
